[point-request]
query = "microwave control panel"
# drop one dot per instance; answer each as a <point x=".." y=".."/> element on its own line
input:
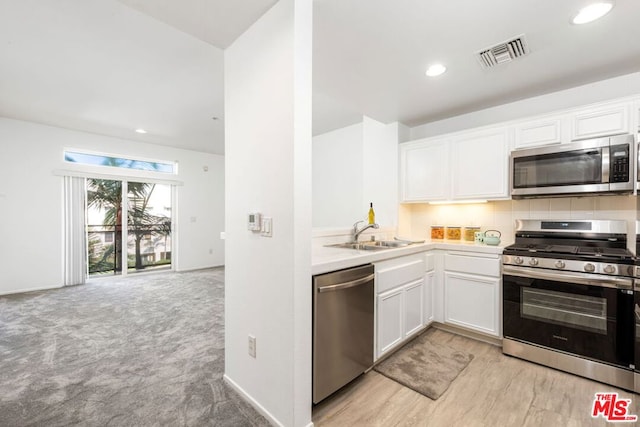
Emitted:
<point x="619" y="163"/>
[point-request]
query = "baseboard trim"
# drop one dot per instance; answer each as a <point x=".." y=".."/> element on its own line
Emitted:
<point x="22" y="291"/>
<point x="257" y="406"/>
<point x="469" y="334"/>
<point x="187" y="270"/>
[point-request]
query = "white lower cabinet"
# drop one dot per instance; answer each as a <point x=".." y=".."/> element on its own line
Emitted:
<point x="455" y="287"/>
<point x="400" y="301"/>
<point x="390" y="316"/>
<point x="471" y="285"/>
<point x="413" y="307"/>
<point x="472" y="302"/>
<point x="400" y="315"/>
<point x="429" y="282"/>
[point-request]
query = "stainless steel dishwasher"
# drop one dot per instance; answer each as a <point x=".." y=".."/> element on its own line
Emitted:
<point x="342" y="328"/>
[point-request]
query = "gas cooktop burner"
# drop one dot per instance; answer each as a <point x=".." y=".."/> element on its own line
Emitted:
<point x="560" y="250"/>
<point x="610" y="252"/>
<point x="598" y="247"/>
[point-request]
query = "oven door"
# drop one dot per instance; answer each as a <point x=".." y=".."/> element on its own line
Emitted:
<point x="584" y="314"/>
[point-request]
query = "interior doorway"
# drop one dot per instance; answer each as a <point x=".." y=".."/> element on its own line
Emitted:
<point x="128" y="224"/>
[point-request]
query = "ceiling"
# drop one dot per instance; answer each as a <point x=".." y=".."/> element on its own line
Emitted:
<point x="371" y="55"/>
<point x="217" y="22"/>
<point x="112" y="66"/>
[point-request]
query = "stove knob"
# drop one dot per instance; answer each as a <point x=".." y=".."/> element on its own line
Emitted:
<point x="560" y="264"/>
<point x="609" y="269"/>
<point x="589" y="267"/>
<point x="533" y="261"/>
<point x="517" y="260"/>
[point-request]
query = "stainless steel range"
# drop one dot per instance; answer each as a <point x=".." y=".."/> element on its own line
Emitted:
<point x="568" y="299"/>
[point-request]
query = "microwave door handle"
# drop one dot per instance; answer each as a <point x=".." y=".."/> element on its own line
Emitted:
<point x="606" y="164"/>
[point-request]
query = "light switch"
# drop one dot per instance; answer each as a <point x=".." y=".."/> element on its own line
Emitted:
<point x="267" y="227"/>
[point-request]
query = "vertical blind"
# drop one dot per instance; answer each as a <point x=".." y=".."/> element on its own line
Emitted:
<point x="74" y="231"/>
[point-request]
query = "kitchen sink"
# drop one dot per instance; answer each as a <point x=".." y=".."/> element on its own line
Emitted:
<point x="358" y="246"/>
<point x="371" y="245"/>
<point x="388" y="243"/>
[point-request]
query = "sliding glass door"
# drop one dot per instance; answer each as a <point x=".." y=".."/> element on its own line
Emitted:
<point x="128" y="224"/>
<point x="148" y="226"/>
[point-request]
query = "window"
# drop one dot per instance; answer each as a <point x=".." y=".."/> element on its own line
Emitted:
<point x="120" y="162"/>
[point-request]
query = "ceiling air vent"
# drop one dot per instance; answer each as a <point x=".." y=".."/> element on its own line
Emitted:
<point x="503" y="52"/>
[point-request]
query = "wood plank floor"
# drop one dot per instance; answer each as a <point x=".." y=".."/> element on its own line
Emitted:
<point x="494" y="390"/>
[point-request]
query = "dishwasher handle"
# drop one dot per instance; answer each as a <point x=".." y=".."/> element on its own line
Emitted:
<point x="346" y="285"/>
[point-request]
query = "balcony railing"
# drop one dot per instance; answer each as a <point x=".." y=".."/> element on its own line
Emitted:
<point x="148" y="247"/>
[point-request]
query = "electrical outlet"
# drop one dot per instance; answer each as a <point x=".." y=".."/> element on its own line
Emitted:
<point x="252" y="346"/>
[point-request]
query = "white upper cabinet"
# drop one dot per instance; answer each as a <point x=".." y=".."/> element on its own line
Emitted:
<point x="479" y="165"/>
<point x="474" y="164"/>
<point x="543" y="131"/>
<point x="601" y="120"/>
<point x="469" y="165"/>
<point x="424" y="170"/>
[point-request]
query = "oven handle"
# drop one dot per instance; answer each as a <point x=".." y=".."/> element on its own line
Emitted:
<point x="570" y="277"/>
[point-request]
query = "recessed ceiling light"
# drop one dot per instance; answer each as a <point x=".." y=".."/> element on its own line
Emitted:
<point x="592" y="12"/>
<point x="141" y="131"/>
<point x="435" y="70"/>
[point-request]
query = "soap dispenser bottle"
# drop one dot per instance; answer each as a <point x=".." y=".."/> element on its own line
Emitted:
<point x="372" y="214"/>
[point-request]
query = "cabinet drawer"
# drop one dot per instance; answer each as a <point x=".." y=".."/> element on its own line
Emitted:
<point x="485" y="265"/>
<point x="392" y="276"/>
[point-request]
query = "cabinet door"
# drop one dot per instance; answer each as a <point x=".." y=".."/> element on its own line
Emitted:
<point x="429" y="279"/>
<point x="472" y="302"/>
<point x="601" y="121"/>
<point x="424" y="171"/>
<point x="534" y="133"/>
<point x="413" y="307"/>
<point x="390" y="319"/>
<point x="480" y="164"/>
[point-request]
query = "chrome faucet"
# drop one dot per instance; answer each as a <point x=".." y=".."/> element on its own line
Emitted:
<point x="357" y="232"/>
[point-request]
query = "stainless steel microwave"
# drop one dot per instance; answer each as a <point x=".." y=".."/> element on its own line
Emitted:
<point x="603" y="165"/>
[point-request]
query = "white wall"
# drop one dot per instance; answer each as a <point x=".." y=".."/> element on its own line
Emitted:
<point x="31" y="201"/>
<point x="338" y="177"/>
<point x="268" y="168"/>
<point x="380" y="169"/>
<point x="352" y="167"/>
<point x="604" y="90"/>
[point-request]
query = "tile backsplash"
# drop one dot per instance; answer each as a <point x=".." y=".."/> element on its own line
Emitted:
<point x="416" y="219"/>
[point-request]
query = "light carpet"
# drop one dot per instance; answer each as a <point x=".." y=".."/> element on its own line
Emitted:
<point x="141" y="351"/>
<point x="425" y="365"/>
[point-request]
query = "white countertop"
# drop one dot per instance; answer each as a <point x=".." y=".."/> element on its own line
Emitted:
<point x="326" y="259"/>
